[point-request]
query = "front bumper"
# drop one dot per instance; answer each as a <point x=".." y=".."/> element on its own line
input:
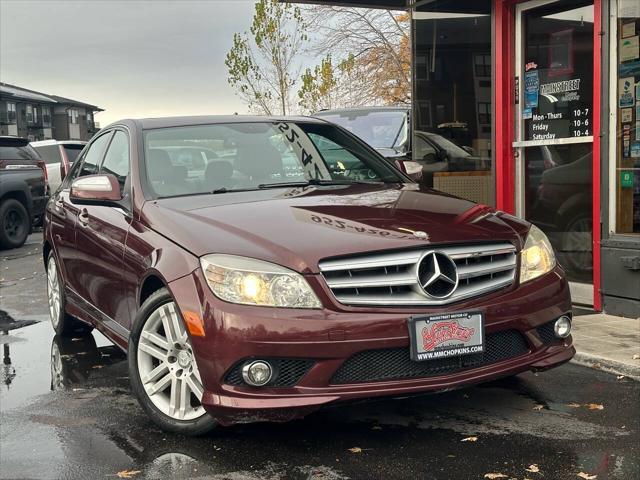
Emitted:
<point x="330" y="337"/>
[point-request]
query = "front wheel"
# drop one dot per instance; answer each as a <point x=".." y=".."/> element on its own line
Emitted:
<point x="163" y="370"/>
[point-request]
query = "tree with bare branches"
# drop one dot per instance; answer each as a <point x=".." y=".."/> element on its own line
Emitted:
<point x="377" y="40"/>
<point x="335" y="84"/>
<point x="263" y="65"/>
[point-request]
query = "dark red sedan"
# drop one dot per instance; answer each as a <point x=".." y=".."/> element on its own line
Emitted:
<point x="288" y="268"/>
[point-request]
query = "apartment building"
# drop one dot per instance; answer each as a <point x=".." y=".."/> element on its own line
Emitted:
<point x="41" y="116"/>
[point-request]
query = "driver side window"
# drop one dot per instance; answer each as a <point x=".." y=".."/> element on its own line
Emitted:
<point x="87" y="164"/>
<point x="116" y="161"/>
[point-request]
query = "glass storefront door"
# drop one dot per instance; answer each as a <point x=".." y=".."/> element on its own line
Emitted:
<point x="554" y="138"/>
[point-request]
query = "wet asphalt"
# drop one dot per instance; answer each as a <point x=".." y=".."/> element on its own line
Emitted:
<point x="66" y="411"/>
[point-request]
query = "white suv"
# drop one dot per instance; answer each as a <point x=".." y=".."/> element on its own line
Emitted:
<point x="58" y="157"/>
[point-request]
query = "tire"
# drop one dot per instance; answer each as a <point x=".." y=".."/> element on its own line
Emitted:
<point x="15" y="224"/>
<point x="166" y="369"/>
<point x="63" y="324"/>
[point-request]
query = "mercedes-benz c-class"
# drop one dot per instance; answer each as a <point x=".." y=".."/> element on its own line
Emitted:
<point x="259" y="268"/>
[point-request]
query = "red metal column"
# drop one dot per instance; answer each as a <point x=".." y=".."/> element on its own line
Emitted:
<point x="597" y="93"/>
<point x="504" y="23"/>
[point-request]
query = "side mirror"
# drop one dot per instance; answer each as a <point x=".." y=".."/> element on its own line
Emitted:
<point x="430" y="158"/>
<point x="95" y="190"/>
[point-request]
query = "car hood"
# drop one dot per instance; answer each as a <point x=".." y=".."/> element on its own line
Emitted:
<point x="297" y="227"/>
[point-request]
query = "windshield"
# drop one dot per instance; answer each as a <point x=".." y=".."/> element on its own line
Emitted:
<point x="380" y="129"/>
<point x="249" y="156"/>
<point x="453" y="150"/>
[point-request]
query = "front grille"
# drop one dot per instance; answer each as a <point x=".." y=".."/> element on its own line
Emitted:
<point x="287" y="371"/>
<point x="396" y="364"/>
<point x="547" y="333"/>
<point x="392" y="278"/>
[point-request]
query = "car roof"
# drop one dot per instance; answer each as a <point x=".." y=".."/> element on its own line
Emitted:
<point x="388" y="108"/>
<point x="167" y="122"/>
<point x="43" y="143"/>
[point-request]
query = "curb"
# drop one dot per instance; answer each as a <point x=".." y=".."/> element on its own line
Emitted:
<point x="607" y="365"/>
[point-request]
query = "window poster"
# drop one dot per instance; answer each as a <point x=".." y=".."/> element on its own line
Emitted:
<point x="626" y="92"/>
<point x="628" y="29"/>
<point x="558" y="83"/>
<point x="629" y="48"/>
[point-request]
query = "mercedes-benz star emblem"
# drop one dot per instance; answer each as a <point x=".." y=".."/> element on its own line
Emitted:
<point x="437" y="274"/>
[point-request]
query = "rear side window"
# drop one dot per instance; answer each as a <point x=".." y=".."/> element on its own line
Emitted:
<point x="94" y="155"/>
<point x="116" y="161"/>
<point x="18" y="153"/>
<point x="49" y="153"/>
<point x="72" y="152"/>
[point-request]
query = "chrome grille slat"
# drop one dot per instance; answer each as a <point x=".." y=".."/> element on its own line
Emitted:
<point x="392" y="279"/>
<point x="377" y="261"/>
<point x="388" y="280"/>
<point x="466" y="271"/>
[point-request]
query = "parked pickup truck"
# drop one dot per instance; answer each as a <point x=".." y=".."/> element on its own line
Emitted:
<point x="23" y="191"/>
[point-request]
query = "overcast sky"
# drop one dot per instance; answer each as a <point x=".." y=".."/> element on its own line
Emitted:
<point x="132" y="58"/>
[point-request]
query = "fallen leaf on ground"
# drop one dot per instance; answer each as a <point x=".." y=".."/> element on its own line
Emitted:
<point x="594" y="406"/>
<point x="635" y="357"/>
<point x="491" y="476"/>
<point x="620" y="377"/>
<point x="538" y="407"/>
<point x="470" y="439"/>
<point x="355" y="450"/>
<point x="586" y="476"/>
<point x="128" y="473"/>
<point x="596" y="366"/>
<point x="574" y="405"/>
<point x="533" y="468"/>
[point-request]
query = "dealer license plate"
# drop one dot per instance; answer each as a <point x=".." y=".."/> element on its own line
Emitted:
<point x="446" y="335"/>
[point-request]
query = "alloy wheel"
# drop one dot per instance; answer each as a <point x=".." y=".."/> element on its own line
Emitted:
<point x="13" y="224"/>
<point x="167" y="366"/>
<point x="53" y="292"/>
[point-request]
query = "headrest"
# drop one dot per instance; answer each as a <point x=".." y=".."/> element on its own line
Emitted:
<point x="219" y="173"/>
<point x="258" y="161"/>
<point x="159" y="165"/>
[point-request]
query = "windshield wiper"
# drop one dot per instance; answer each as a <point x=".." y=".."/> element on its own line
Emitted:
<point x="315" y="181"/>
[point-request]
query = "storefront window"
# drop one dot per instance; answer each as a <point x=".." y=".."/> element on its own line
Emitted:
<point x="627" y="68"/>
<point x="452" y="97"/>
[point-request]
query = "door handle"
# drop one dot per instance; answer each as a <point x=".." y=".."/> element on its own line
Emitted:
<point x="59" y="203"/>
<point x="83" y="217"/>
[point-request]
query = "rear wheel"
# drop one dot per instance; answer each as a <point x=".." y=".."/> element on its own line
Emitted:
<point x="163" y="370"/>
<point x="14" y="223"/>
<point x="62" y="323"/>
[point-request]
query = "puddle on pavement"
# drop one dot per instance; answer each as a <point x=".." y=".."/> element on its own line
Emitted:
<point x="28" y="370"/>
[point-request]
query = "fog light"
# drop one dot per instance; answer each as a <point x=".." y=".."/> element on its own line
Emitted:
<point x="257" y="373"/>
<point x="562" y="327"/>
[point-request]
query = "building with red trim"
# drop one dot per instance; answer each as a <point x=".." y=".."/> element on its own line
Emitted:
<point x="549" y="91"/>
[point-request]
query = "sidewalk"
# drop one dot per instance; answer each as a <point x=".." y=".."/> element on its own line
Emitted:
<point x="609" y="343"/>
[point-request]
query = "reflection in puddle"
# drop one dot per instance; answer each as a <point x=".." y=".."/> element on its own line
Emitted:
<point x="74" y="360"/>
<point x="27" y="362"/>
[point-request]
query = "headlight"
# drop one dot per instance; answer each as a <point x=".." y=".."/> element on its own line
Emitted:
<point x="254" y="282"/>
<point x="537" y="257"/>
